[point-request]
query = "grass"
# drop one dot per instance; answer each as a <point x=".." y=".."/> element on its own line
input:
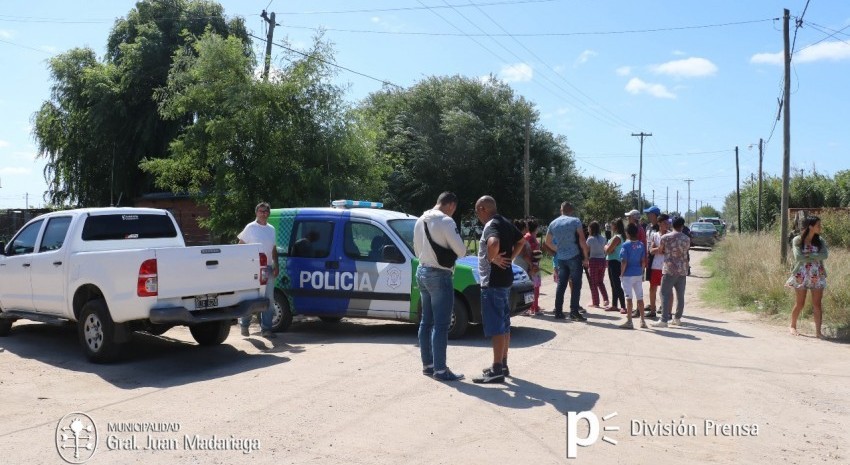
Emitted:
<point x="747" y="273"/>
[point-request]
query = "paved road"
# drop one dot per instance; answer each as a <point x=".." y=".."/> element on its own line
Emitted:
<point x="353" y="393"/>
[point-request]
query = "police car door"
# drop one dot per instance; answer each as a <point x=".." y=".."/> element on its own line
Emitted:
<point x="312" y="265"/>
<point x="380" y="276"/>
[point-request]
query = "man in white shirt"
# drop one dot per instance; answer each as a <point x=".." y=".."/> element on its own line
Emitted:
<point x="435" y="283"/>
<point x="261" y="232"/>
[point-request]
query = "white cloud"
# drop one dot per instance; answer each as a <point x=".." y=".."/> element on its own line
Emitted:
<point x="376" y="19"/>
<point x="832" y="51"/>
<point x="637" y="86"/>
<point x="679" y="53"/>
<point x="584" y="57"/>
<point x="12" y="170"/>
<point x="519" y="72"/>
<point x="688" y="67"/>
<point x="624" y="70"/>
<point x="5" y="34"/>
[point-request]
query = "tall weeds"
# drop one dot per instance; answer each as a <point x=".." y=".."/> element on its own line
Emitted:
<point x="747" y="273"/>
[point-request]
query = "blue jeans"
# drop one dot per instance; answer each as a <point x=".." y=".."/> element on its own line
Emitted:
<point x="437" y="297"/>
<point x="571" y="269"/>
<point x="496" y="310"/>
<point x="266" y="316"/>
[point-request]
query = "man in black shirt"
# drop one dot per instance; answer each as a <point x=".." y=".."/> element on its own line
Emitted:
<point x="500" y="243"/>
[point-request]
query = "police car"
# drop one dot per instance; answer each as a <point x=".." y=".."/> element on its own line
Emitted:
<point x="355" y="259"/>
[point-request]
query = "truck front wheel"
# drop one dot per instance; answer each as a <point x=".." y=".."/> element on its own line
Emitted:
<point x="210" y="333"/>
<point x="97" y="332"/>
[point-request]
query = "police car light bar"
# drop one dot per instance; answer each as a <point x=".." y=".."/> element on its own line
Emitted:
<point x="356" y="204"/>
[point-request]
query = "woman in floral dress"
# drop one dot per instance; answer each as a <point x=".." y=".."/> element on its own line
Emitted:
<point x="808" y="273"/>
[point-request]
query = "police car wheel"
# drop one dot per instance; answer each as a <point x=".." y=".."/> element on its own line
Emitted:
<point x="460" y="319"/>
<point x="282" y="317"/>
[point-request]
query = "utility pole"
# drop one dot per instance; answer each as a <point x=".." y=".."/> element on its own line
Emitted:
<point x="738" y="187"/>
<point x="687" y="213"/>
<point x="786" y="150"/>
<point x="269" y="19"/>
<point x="677" y="202"/>
<point x="758" y="208"/>
<point x="526" y="167"/>
<point x="642" y="136"/>
<point x="667" y="200"/>
<point x="633" y="188"/>
<point x="653" y="196"/>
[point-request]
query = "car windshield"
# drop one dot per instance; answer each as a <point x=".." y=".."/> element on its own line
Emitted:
<point x="404" y="229"/>
<point x="702" y="227"/>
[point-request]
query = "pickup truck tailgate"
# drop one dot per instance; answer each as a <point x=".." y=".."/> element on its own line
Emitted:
<point x="194" y="271"/>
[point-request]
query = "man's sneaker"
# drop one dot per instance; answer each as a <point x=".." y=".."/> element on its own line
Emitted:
<point x="676" y="322"/>
<point x="490" y="377"/>
<point x="245" y="331"/>
<point x="447" y="376"/>
<point x="268" y="334"/>
<point x="560" y="316"/>
<point x="651" y="314"/>
<point x="627" y="325"/>
<point x="428" y="371"/>
<point x="577" y="317"/>
<point x="660" y="324"/>
<point x="635" y="313"/>
<point x="505" y="370"/>
<point x="582" y="310"/>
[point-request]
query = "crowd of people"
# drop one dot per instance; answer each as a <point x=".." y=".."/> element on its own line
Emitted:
<point x="626" y="250"/>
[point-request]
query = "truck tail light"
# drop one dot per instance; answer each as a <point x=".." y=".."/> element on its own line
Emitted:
<point x="147" y="285"/>
<point x="264" y="270"/>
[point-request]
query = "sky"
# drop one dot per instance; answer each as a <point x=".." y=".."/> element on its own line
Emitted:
<point x="701" y="77"/>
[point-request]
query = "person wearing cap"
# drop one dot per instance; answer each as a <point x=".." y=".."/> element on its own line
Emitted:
<point x="566" y="236"/>
<point x="674" y="246"/>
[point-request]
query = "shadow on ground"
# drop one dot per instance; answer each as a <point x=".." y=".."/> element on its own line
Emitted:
<point x="150" y="361"/>
<point x="517" y="393"/>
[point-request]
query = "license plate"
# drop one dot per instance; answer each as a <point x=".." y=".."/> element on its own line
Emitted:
<point x="528" y="297"/>
<point x="206" y="301"/>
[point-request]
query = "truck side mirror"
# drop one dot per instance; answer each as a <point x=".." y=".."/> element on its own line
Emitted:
<point x="391" y="254"/>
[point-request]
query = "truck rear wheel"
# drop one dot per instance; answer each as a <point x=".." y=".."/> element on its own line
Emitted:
<point x="97" y="332"/>
<point x="460" y="319"/>
<point x="5" y="326"/>
<point x="210" y="333"/>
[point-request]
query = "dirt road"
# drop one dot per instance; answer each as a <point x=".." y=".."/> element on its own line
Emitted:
<point x="726" y="388"/>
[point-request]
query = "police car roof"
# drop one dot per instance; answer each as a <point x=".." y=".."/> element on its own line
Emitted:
<point x="373" y="213"/>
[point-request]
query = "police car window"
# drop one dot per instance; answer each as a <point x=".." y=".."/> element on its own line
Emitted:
<point x="54" y="233"/>
<point x="365" y="242"/>
<point x="24" y="242"/>
<point x="404" y="229"/>
<point x="311" y="239"/>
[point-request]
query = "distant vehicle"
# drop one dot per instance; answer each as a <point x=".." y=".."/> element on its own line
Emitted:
<point x="719" y="224"/>
<point x="703" y="234"/>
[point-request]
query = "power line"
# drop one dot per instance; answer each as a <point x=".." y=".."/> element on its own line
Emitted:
<point x="535" y="34"/>
<point x="415" y="8"/>
<point x="25" y="46"/>
<point x="322" y="60"/>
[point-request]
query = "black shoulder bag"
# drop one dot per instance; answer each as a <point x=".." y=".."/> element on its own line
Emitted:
<point x="445" y="257"/>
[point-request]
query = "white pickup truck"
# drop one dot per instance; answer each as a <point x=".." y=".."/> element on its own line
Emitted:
<point x="114" y="271"/>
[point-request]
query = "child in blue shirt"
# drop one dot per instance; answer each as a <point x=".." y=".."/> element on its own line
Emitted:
<point x="633" y="258"/>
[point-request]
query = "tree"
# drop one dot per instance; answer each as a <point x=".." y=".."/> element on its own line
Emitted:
<point x="290" y="141"/>
<point x="603" y="201"/>
<point x="467" y="136"/>
<point x="102" y="119"/>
